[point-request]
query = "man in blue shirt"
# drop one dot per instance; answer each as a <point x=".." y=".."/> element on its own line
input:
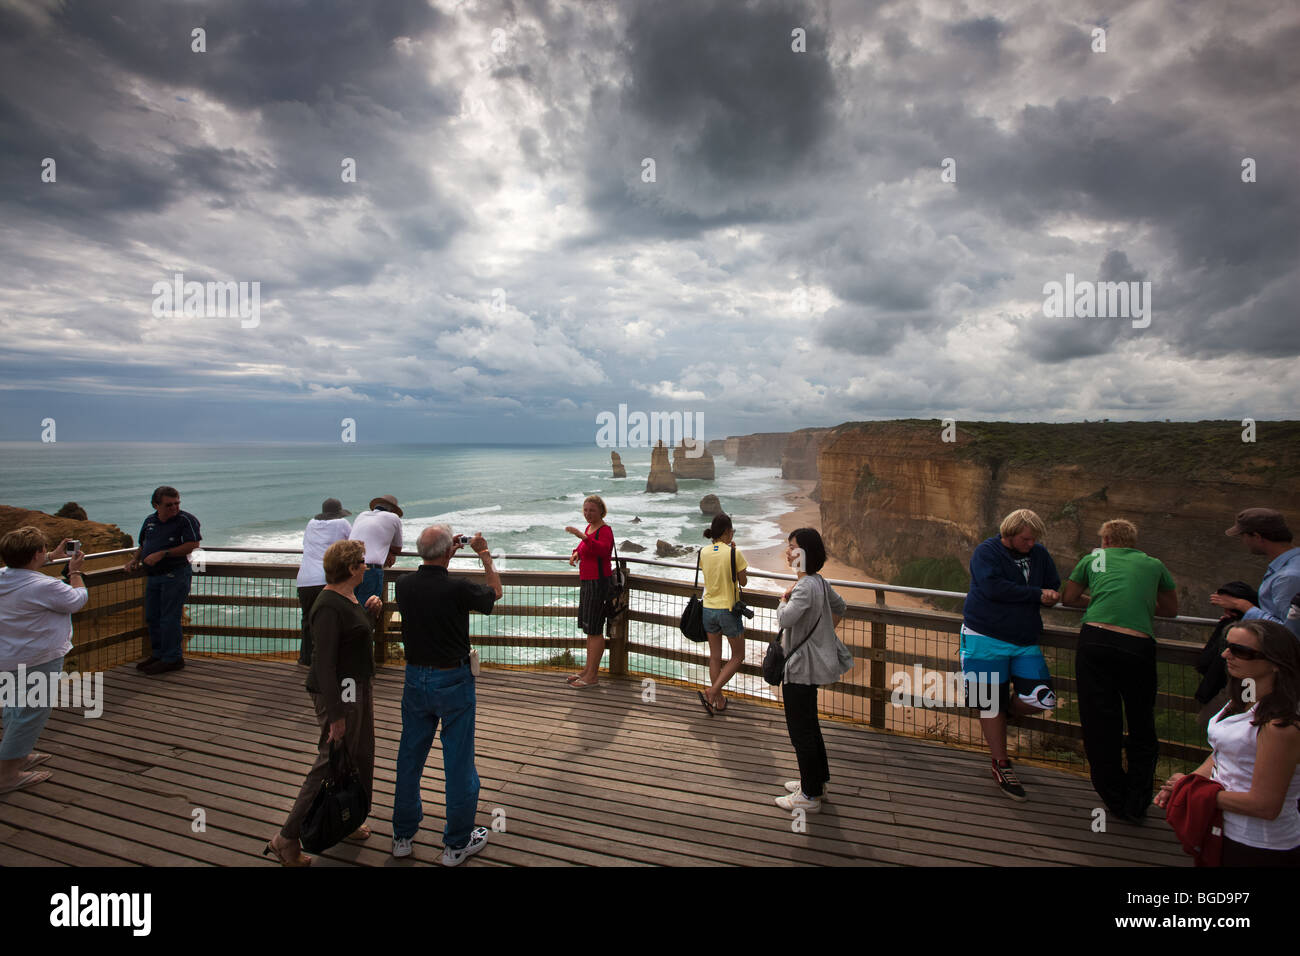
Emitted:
<point x="1011" y="577"/>
<point x="166" y="539"/>
<point x="1264" y="531"/>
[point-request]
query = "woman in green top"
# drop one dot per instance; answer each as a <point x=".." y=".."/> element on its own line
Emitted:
<point x="1115" y="664"/>
<point x="343" y="652"/>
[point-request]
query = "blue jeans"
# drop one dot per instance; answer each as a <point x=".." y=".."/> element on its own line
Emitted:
<point x="164" y="601"/>
<point x="429" y="696"/>
<point x="23" y="725"/>
<point x="372" y="583"/>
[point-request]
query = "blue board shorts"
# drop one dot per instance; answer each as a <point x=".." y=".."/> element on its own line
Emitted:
<point x="994" y="669"/>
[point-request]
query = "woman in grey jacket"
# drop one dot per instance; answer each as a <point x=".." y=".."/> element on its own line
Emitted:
<point x="808" y="613"/>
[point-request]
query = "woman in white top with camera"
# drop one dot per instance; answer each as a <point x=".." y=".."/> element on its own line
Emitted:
<point x="1256" y="741"/>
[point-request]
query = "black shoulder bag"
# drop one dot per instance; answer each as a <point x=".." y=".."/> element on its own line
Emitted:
<point x="340" y="805"/>
<point x="614" y="605"/>
<point x="775" y="659"/>
<point x="692" y="624"/>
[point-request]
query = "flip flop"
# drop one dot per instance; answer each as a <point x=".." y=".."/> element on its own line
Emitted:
<point x="360" y="835"/>
<point x="571" y="678"/>
<point x="580" y="684"/>
<point x="27" y="779"/>
<point x="705" y="701"/>
<point x="35" y="760"/>
<point x="301" y="860"/>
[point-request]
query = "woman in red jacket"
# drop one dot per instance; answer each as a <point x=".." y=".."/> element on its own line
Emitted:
<point x="591" y="555"/>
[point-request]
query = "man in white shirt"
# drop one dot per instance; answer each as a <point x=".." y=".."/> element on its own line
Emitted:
<point x="380" y="530"/>
<point x="323" y="530"/>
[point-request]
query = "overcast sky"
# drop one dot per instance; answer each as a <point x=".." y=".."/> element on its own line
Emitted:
<point x="797" y="257"/>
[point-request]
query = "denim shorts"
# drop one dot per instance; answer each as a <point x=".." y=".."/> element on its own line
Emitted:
<point x="719" y="619"/>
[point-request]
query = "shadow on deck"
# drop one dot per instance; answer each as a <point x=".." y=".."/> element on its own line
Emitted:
<point x="584" y="777"/>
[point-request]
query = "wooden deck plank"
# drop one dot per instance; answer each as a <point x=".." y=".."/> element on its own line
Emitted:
<point x="585" y="778"/>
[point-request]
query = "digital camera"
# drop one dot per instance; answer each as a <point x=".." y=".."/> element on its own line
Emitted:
<point x="740" y="607"/>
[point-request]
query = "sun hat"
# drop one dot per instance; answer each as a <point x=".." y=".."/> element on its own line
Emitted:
<point x="390" y="503"/>
<point x="331" y="508"/>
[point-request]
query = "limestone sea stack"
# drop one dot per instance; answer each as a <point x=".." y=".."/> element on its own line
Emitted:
<point x="631" y="547"/>
<point x="661" y="471"/>
<point x="710" y="505"/>
<point x="619" y="470"/>
<point x="684" y="466"/>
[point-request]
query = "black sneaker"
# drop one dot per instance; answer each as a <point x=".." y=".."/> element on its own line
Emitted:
<point x="141" y="665"/>
<point x="1006" y="778"/>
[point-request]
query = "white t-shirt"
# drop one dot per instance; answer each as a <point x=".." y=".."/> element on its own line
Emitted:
<point x="379" y="530"/>
<point x="319" y="536"/>
<point x="1234" y="739"/>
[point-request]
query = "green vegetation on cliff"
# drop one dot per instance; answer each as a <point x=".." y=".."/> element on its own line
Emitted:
<point x="1206" y="450"/>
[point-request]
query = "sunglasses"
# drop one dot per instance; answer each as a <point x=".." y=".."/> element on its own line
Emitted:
<point x="1242" y="652"/>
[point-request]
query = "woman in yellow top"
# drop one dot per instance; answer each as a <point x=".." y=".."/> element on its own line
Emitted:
<point x="721" y="594"/>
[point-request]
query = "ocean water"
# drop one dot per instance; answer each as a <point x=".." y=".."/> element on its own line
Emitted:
<point x="262" y="495"/>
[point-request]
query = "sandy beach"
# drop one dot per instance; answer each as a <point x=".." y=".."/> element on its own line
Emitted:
<point x="806" y="513"/>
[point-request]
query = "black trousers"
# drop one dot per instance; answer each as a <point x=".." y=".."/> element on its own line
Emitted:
<point x="806" y="735"/>
<point x="1239" y="854"/>
<point x="1116" y="677"/>
<point x="306" y="598"/>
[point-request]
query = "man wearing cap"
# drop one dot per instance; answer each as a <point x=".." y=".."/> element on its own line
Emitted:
<point x="1263" y="531"/>
<point x="380" y="530"/>
<point x="323" y="530"/>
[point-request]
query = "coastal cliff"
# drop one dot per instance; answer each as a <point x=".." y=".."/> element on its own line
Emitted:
<point x="897" y="497"/>
<point x="94" y="536"/>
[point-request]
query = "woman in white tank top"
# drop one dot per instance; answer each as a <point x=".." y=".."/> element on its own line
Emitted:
<point x="1256" y="748"/>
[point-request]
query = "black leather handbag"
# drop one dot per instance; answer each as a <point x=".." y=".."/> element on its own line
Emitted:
<point x="692" y="624"/>
<point x="614" y="605"/>
<point x="340" y="805"/>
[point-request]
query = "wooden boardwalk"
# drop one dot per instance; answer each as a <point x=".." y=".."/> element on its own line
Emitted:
<point x="583" y="777"/>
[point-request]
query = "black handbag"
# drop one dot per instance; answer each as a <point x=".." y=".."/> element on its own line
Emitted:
<point x="340" y="805"/>
<point x="692" y="624"/>
<point x="775" y="659"/>
<point x="614" y="605"/>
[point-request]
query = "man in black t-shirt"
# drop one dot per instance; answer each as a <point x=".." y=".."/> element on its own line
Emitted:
<point x="439" y="687"/>
<point x="166" y="539"/>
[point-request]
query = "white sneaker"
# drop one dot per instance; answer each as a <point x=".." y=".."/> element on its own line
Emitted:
<point x="797" y="801"/>
<point x="402" y="846"/>
<point x="794" y="786"/>
<point x="478" y="839"/>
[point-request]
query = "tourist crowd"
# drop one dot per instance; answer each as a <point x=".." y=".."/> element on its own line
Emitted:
<point x="1240" y="807"/>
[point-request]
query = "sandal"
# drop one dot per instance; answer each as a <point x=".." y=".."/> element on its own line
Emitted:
<point x="705" y="701"/>
<point x="572" y="677"/>
<point x="580" y="684"/>
<point x="302" y="859"/>
<point x="360" y="835"/>
<point x="27" y="778"/>
<point x="35" y="760"/>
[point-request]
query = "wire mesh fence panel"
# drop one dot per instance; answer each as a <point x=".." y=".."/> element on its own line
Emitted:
<point x="906" y="676"/>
